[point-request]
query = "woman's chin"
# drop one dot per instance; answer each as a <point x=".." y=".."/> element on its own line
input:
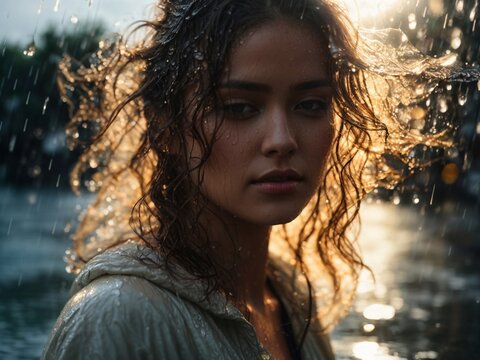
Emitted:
<point x="281" y="218"/>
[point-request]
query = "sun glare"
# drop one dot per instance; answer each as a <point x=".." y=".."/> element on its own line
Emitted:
<point x="367" y="10"/>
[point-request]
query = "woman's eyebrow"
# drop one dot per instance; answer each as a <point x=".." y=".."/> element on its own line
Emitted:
<point x="309" y="85"/>
<point x="253" y="86"/>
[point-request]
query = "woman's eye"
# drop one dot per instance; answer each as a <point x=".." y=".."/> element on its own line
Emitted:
<point x="239" y="110"/>
<point x="312" y="106"/>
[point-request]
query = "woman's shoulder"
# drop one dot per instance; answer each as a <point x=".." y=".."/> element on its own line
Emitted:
<point x="118" y="317"/>
<point x="129" y="317"/>
<point x="127" y="296"/>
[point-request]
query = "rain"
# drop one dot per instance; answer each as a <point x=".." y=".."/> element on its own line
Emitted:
<point x="421" y="239"/>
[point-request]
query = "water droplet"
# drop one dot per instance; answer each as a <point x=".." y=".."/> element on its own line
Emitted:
<point x="473" y="12"/>
<point x="396" y="199"/>
<point x="40" y="8"/>
<point x="415" y="199"/>
<point x="11" y="144"/>
<point x="74" y="19"/>
<point x="93" y="163"/>
<point x="456" y="40"/>
<point x="30" y="50"/>
<point x="442" y="105"/>
<point x="45" y="103"/>
<point x="34" y="171"/>
<point x="198" y="55"/>
<point x="56" y="6"/>
<point x="432" y="195"/>
<point x="412" y="21"/>
<point x="445" y="21"/>
<point x="368" y="328"/>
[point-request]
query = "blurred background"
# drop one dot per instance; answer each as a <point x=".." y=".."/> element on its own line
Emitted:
<point x="422" y="239"/>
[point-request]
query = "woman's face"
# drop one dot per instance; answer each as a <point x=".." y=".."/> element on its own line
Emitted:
<point x="269" y="153"/>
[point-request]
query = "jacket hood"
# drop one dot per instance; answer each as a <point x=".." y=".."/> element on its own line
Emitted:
<point x="133" y="259"/>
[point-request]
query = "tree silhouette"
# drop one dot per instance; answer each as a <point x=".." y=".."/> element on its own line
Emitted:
<point x="32" y="116"/>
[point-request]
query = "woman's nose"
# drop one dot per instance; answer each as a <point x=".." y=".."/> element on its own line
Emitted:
<point x="278" y="139"/>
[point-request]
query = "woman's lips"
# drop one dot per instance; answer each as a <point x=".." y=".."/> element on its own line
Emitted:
<point x="278" y="181"/>
<point x="276" y="187"/>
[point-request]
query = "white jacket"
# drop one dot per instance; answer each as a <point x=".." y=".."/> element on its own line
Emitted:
<point x="124" y="308"/>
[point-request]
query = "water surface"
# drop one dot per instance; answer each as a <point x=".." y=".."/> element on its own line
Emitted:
<point x="425" y="303"/>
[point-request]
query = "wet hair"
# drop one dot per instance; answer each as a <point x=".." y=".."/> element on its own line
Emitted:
<point x="133" y="99"/>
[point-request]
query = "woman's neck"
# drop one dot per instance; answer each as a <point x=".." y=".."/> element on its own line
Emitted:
<point x="241" y="251"/>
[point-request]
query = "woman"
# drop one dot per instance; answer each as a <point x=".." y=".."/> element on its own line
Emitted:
<point x="232" y="117"/>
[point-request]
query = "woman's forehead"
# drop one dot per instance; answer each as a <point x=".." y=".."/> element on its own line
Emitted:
<point x="281" y="45"/>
